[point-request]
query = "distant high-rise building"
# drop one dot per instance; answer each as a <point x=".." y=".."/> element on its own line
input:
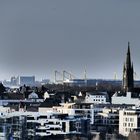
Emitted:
<point x="128" y="79"/>
<point x="26" y="80"/>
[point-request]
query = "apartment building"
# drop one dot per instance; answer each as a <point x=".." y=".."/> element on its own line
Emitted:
<point x="129" y="120"/>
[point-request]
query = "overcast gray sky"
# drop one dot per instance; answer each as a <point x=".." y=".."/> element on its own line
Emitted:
<point x="40" y="36"/>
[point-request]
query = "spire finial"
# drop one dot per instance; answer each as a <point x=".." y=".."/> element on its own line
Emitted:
<point x="128" y="43"/>
<point x="128" y="47"/>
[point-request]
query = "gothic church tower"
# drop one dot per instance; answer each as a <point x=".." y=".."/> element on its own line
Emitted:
<point x="128" y="79"/>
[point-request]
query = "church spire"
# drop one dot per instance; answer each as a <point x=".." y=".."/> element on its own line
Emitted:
<point x="128" y="80"/>
<point x="128" y="58"/>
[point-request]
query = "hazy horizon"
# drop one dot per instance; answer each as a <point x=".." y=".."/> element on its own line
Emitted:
<point x="39" y="37"/>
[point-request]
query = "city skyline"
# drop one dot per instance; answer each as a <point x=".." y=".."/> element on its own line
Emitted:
<point x="38" y="38"/>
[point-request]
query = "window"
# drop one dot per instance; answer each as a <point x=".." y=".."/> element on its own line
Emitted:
<point x="131" y="119"/>
<point x="127" y="119"/>
<point x="124" y="124"/>
<point x="43" y="117"/>
<point x="125" y="129"/>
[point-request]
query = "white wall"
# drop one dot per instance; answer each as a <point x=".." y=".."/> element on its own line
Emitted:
<point x="127" y="123"/>
<point x="125" y="99"/>
<point x="95" y="99"/>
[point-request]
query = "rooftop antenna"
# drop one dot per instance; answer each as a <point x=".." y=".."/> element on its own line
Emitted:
<point x="56" y="74"/>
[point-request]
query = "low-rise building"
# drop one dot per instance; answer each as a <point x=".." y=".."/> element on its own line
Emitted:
<point x="117" y="98"/>
<point x="97" y="97"/>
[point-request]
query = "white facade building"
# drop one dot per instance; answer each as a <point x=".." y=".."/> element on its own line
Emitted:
<point x="96" y="98"/>
<point x="129" y="119"/>
<point x="116" y="99"/>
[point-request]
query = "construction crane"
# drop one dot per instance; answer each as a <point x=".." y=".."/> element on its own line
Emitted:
<point x="115" y="76"/>
<point x="65" y="75"/>
<point x="56" y="74"/>
<point x="68" y="75"/>
<point x="85" y="74"/>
